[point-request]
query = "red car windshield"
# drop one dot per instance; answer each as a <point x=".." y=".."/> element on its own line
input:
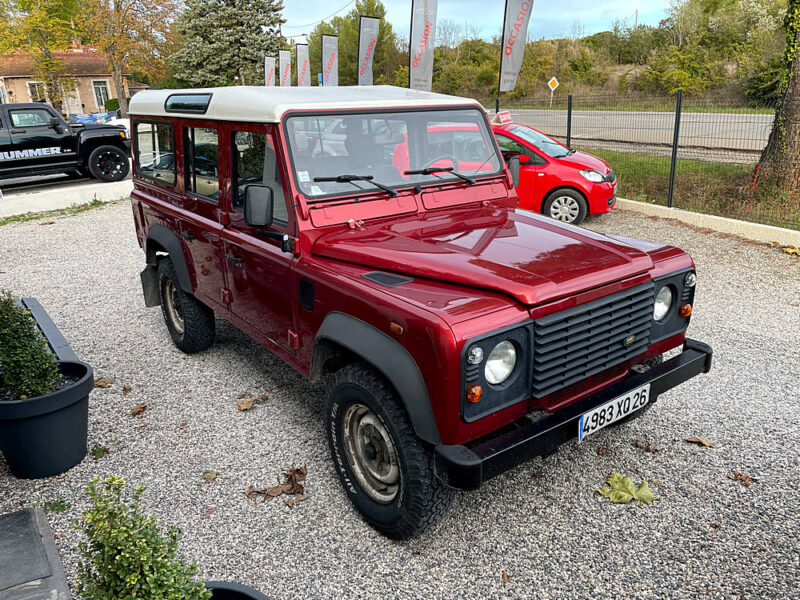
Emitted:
<point x="540" y="141"/>
<point x="384" y="145"/>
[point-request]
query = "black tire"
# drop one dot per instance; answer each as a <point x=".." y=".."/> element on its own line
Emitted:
<point x="108" y="163"/>
<point x="190" y="322"/>
<point x="566" y="205"/>
<point x="420" y="499"/>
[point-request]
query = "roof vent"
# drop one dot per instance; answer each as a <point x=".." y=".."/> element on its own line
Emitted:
<point x="386" y="279"/>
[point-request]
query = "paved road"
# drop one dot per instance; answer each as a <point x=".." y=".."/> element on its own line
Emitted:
<point x="707" y="537"/>
<point x="707" y="130"/>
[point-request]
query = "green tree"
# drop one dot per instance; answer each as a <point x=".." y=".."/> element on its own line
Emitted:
<point x="388" y="55"/>
<point x="40" y="28"/>
<point x="225" y="41"/>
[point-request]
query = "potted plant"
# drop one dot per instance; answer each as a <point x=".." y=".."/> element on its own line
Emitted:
<point x="44" y="401"/>
<point x="127" y="555"/>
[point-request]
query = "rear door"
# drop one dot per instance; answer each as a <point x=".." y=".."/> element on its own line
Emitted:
<point x="5" y="142"/>
<point x="36" y="142"/>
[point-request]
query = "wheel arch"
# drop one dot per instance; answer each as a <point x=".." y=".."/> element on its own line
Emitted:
<point x="161" y="239"/>
<point x="343" y="339"/>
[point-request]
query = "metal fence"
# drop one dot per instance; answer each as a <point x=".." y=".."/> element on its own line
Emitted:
<point x="691" y="153"/>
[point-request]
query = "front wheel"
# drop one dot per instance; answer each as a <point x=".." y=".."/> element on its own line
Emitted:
<point x="386" y="470"/>
<point x="109" y="163"/>
<point x="566" y="205"/>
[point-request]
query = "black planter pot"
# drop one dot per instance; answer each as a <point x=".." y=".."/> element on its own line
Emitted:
<point x="45" y="436"/>
<point x="223" y="590"/>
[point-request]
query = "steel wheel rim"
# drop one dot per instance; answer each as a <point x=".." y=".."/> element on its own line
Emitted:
<point x="109" y="163"/>
<point x="370" y="453"/>
<point x="565" y="208"/>
<point x="174" y="306"/>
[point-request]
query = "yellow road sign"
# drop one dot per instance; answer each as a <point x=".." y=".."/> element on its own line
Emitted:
<point x="552" y="84"/>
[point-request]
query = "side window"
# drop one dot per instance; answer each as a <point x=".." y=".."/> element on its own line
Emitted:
<point x="33" y="117"/>
<point x="155" y="152"/>
<point x="255" y="162"/>
<point x="201" y="147"/>
<point x="508" y="145"/>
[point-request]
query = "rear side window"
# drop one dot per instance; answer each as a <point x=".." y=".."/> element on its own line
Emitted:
<point x="155" y="152"/>
<point x="256" y="163"/>
<point x="34" y="117"/>
<point x="202" y="162"/>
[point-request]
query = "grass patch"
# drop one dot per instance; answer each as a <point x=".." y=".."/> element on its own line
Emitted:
<point x="714" y="188"/>
<point x="56" y="506"/>
<point x="97" y="452"/>
<point x="62" y="212"/>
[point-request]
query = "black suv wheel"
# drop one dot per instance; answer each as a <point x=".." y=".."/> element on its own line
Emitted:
<point x="189" y="321"/>
<point x="386" y="470"/>
<point x="108" y="163"/>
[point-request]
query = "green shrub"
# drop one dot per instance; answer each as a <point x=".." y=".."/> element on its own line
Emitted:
<point x="27" y="367"/>
<point x="127" y="555"/>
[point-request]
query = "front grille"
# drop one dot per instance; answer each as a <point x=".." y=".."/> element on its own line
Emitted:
<point x="579" y="342"/>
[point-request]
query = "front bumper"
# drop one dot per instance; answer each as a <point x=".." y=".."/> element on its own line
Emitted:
<point x="466" y="467"/>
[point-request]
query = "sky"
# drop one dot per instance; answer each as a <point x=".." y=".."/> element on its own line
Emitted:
<point x="551" y="18"/>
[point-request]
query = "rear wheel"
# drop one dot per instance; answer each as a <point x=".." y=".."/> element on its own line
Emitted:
<point x="190" y="322"/>
<point x="386" y="470"/>
<point x="566" y="205"/>
<point x="108" y="163"/>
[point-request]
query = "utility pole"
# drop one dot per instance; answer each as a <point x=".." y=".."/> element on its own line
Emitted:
<point x="636" y="19"/>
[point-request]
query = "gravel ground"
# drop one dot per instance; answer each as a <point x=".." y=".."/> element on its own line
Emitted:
<point x="706" y="537"/>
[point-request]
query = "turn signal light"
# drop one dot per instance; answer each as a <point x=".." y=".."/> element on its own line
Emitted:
<point x="686" y="309"/>
<point x="474" y="393"/>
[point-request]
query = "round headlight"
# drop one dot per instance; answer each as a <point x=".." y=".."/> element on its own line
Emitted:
<point x="691" y="279"/>
<point x="500" y="363"/>
<point x="663" y="303"/>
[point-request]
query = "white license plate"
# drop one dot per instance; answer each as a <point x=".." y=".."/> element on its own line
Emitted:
<point x="612" y="411"/>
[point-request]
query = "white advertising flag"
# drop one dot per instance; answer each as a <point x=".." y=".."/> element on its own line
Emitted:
<point x="303" y="75"/>
<point x="330" y="60"/>
<point x="423" y="38"/>
<point x="285" y="67"/>
<point x="367" y="41"/>
<point x="269" y="70"/>
<point x="515" y="34"/>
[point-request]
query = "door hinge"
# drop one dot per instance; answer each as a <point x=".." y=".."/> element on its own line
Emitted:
<point x="224" y="218"/>
<point x="294" y="340"/>
<point x="227" y="296"/>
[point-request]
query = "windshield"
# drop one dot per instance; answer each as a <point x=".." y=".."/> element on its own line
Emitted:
<point x="386" y="145"/>
<point x="540" y="141"/>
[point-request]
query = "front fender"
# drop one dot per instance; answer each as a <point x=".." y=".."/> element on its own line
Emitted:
<point x="388" y="357"/>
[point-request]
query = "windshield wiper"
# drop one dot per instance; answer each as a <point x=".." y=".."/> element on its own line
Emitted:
<point x="434" y="170"/>
<point x="354" y="178"/>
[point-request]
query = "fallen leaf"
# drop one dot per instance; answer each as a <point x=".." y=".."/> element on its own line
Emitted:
<point x="112" y="428"/>
<point x="296" y="501"/>
<point x="622" y="490"/>
<point x="506" y="576"/>
<point x="745" y="479"/>
<point x="646" y="445"/>
<point x="139" y="409"/>
<point x="792" y="250"/>
<point x="209" y="511"/>
<point x="209" y="475"/>
<point x="126" y="389"/>
<point x="262" y="398"/>
<point x="142" y="426"/>
<point x="601" y="451"/>
<point x="291" y="486"/>
<point x="700" y="442"/>
<point x="245" y="395"/>
<point x="244" y="404"/>
<point x="104" y="382"/>
<point x="46" y="222"/>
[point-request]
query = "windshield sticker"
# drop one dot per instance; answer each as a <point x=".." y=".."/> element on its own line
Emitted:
<point x="303" y="175"/>
<point x="316" y="190"/>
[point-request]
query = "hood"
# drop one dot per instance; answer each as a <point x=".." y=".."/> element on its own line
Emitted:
<point x="523" y="255"/>
<point x="582" y="160"/>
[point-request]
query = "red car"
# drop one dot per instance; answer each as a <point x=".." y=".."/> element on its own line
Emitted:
<point x="558" y="182"/>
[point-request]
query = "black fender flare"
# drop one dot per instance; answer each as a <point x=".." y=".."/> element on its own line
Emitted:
<point x="171" y="244"/>
<point x="388" y="357"/>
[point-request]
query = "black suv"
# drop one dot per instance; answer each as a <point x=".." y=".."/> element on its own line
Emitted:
<point x="35" y="140"/>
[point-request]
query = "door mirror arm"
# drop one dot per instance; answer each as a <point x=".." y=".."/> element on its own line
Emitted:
<point x="287" y="241"/>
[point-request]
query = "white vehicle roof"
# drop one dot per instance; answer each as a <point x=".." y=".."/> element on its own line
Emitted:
<point x="268" y="104"/>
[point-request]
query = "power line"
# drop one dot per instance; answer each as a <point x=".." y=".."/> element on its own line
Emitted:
<point x="321" y="20"/>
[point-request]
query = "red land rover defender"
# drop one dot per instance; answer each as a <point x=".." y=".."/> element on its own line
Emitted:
<point x="460" y="335"/>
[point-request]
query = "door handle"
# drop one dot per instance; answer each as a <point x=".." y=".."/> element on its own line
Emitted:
<point x="186" y="235"/>
<point x="234" y="259"/>
<point x="19" y="131"/>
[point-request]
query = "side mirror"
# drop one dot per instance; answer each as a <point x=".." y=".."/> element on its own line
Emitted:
<point x="513" y="166"/>
<point x="524" y="159"/>
<point x="258" y="205"/>
<point x="55" y="123"/>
